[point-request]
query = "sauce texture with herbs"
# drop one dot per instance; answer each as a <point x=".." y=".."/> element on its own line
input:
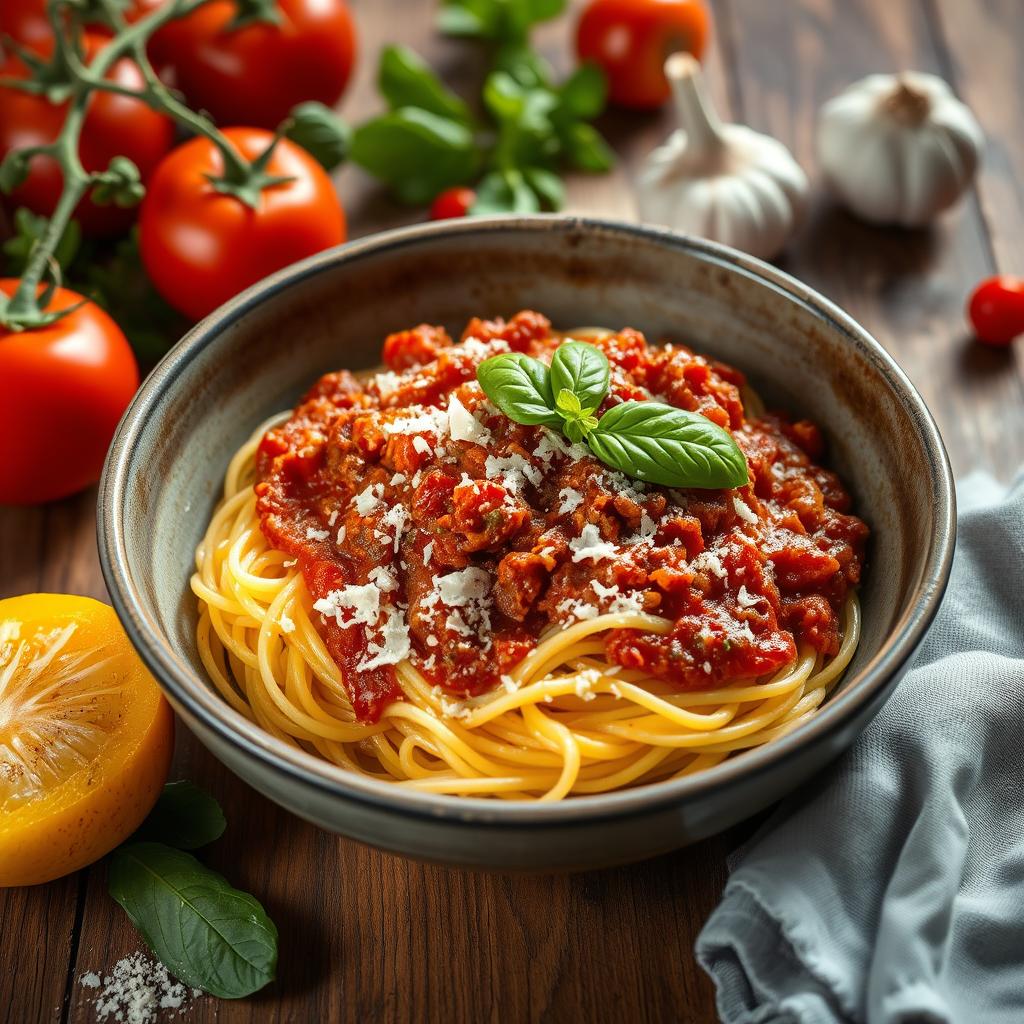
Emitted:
<point x="431" y="528"/>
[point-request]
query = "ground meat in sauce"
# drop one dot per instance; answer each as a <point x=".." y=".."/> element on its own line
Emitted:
<point x="458" y="552"/>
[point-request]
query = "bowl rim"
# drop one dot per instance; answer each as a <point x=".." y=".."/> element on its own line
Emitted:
<point x="194" y="694"/>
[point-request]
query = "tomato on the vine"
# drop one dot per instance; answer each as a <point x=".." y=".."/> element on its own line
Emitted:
<point x="452" y="202"/>
<point x="63" y="389"/>
<point x="201" y="246"/>
<point x="996" y="310"/>
<point x="256" y="74"/>
<point x="25" y="22"/>
<point x="114" y="125"/>
<point x="631" y="40"/>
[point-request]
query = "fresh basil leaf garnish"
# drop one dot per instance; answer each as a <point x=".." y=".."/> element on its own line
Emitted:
<point x="582" y="369"/>
<point x="207" y="933"/>
<point x="184" y="816"/>
<point x="520" y="387"/>
<point x="664" y="445"/>
<point x="406" y="80"/>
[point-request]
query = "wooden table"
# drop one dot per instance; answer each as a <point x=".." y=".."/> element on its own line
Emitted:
<point x="367" y="936"/>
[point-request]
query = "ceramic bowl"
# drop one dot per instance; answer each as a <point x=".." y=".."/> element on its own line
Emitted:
<point x="256" y="355"/>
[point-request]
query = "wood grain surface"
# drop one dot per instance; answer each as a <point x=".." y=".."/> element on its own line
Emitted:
<point x="369" y="937"/>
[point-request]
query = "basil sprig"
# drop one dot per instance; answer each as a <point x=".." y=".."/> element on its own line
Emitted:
<point x="649" y="441"/>
<point x="207" y="933"/>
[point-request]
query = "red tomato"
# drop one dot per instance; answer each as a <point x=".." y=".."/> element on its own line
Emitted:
<point x="453" y="202"/>
<point x="996" y="310"/>
<point x="63" y="389"/>
<point x="113" y="125"/>
<point x="255" y="75"/>
<point x="631" y="40"/>
<point x="200" y="246"/>
<point x="25" y="22"/>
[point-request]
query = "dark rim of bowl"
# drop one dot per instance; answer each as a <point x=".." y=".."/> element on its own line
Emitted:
<point x="196" y="696"/>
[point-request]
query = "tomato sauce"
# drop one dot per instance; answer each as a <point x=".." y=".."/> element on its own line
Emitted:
<point x="430" y="527"/>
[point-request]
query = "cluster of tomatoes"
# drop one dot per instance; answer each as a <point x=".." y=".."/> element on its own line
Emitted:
<point x="64" y="387"/>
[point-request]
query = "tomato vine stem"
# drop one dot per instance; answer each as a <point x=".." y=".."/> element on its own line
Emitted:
<point x="67" y="70"/>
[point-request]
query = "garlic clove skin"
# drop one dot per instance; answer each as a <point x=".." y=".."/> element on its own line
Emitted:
<point x="723" y="182"/>
<point x="898" y="149"/>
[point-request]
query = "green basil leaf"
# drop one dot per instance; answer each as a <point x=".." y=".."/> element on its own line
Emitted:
<point x="582" y="369"/>
<point x="586" y="149"/>
<point x="417" y="153"/>
<point x="520" y="387"/>
<point x="525" y="65"/>
<point x="661" y="444"/>
<point x="207" y="934"/>
<point x="547" y="185"/>
<point x="185" y="817"/>
<point x="504" y="192"/>
<point x="405" y="80"/>
<point x="320" y="132"/>
<point x="566" y="402"/>
<point x="584" y="93"/>
<point x="470" y="18"/>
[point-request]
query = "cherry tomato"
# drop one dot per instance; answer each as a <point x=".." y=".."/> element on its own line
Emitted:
<point x="453" y="202"/>
<point x="113" y="125"/>
<point x="201" y="246"/>
<point x="256" y="74"/>
<point x="25" y="22"/>
<point x="996" y="310"/>
<point x="631" y="40"/>
<point x="63" y="389"/>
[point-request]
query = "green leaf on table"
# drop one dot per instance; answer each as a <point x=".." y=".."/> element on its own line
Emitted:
<point x="524" y="64"/>
<point x="207" y="933"/>
<point x="185" y="817"/>
<point x="405" y="80"/>
<point x="520" y="387"/>
<point x="504" y="192"/>
<point x="495" y="19"/>
<point x="586" y="149"/>
<point x="583" y="371"/>
<point x="417" y="153"/>
<point x="29" y="228"/>
<point x="661" y="444"/>
<point x="320" y="132"/>
<point x="584" y="93"/>
<point x="548" y="186"/>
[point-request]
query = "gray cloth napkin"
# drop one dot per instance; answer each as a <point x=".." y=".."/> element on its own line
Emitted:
<point x="892" y="889"/>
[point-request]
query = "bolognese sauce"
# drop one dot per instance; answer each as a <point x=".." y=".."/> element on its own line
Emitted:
<point x="430" y="527"/>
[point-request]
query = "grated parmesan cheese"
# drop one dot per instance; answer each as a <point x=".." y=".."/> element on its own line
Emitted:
<point x="286" y="624"/>
<point x="589" y="545"/>
<point x="513" y="470"/>
<point x="571" y="500"/>
<point x="135" y="991"/>
<point x="744" y="512"/>
<point x="368" y="500"/>
<point x="314" y="534"/>
<point x="463" y="425"/>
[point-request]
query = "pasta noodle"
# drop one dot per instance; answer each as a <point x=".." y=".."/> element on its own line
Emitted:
<point x="566" y="722"/>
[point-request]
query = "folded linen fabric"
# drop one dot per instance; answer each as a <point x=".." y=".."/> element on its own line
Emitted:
<point x="891" y="890"/>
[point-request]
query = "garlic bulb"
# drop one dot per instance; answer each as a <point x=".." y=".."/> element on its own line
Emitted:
<point x="897" y="149"/>
<point x="723" y="182"/>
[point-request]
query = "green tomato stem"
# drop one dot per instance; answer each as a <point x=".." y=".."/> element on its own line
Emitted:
<point x="242" y="178"/>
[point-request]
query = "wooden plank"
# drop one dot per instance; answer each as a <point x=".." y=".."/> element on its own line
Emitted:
<point x="907" y="287"/>
<point x="37" y="928"/>
<point x="984" y="41"/>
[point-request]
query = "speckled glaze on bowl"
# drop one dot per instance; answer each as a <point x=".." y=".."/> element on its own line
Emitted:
<point x="255" y="355"/>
